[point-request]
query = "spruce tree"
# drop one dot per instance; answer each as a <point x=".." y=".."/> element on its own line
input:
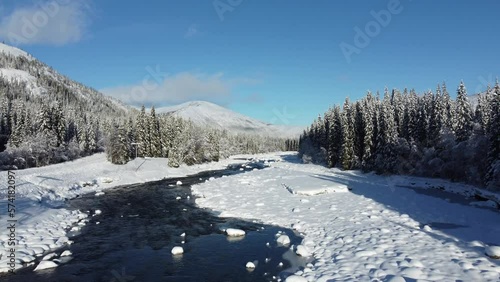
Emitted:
<point x="492" y="179"/>
<point x="463" y="115"/>
<point x="347" y="151"/>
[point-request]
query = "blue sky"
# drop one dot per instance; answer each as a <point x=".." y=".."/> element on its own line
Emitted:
<point x="277" y="61"/>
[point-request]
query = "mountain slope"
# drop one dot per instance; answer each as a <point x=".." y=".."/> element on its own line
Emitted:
<point x="212" y="115"/>
<point x="13" y="51"/>
<point x="31" y="77"/>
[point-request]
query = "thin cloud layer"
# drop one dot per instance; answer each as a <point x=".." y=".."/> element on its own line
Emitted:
<point x="176" y="89"/>
<point x="55" y="22"/>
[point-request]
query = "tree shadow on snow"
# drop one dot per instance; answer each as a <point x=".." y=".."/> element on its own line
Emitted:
<point x="457" y="220"/>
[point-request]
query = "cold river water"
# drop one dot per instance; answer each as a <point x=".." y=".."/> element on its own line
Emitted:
<point x="132" y="238"/>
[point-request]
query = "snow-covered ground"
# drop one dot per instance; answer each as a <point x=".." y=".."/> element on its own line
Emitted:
<point x="14" y="75"/>
<point x="356" y="227"/>
<point x="40" y="192"/>
<point x="378" y="231"/>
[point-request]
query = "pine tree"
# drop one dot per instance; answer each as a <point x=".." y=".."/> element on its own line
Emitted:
<point x="436" y="118"/>
<point x="19" y="130"/>
<point x="359" y="129"/>
<point x="59" y="124"/>
<point x="117" y="150"/>
<point x="335" y="138"/>
<point x="154" y="133"/>
<point x="448" y="110"/>
<point x="386" y="138"/>
<point x="420" y="133"/>
<point x="369" y="107"/>
<point x="399" y="109"/>
<point x="481" y="114"/>
<point x="463" y="115"/>
<point x="492" y="179"/>
<point x="142" y="134"/>
<point x="347" y="150"/>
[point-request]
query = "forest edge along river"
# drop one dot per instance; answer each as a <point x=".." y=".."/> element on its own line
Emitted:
<point x="132" y="229"/>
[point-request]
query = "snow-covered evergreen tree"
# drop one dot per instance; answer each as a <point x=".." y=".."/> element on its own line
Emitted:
<point x="347" y="149"/>
<point x="463" y="115"/>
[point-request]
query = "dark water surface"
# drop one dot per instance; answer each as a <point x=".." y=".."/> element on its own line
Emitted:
<point x="131" y="240"/>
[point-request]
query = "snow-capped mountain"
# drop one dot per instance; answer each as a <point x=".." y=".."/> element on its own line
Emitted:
<point x="32" y="77"/>
<point x="212" y="115"/>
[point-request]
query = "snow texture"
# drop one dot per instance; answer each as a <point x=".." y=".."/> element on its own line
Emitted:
<point x="374" y="232"/>
<point x="14" y="75"/>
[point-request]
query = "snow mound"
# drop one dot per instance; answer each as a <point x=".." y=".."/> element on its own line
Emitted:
<point x="66" y="253"/>
<point x="302" y="251"/>
<point x="177" y="251"/>
<point x="283" y="240"/>
<point x="493" y="251"/>
<point x="45" y="265"/>
<point x="250" y="265"/>
<point x="233" y="232"/>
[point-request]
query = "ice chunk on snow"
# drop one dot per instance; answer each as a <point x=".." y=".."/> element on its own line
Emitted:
<point x="233" y="232"/>
<point x="302" y="251"/>
<point x="66" y="253"/>
<point x="49" y="256"/>
<point x="493" y="251"/>
<point x="295" y="278"/>
<point x="177" y="250"/>
<point x="250" y="265"/>
<point x="44" y="264"/>
<point x="283" y="240"/>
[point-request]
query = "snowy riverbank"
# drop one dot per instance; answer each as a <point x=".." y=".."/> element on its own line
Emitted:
<point x="356" y="226"/>
<point x="40" y="192"/>
<point x="378" y="231"/>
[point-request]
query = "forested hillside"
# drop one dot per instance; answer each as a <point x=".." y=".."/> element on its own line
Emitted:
<point x="48" y="118"/>
<point x="405" y="133"/>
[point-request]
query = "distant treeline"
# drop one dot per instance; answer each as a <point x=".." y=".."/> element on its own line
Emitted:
<point x="405" y="133"/>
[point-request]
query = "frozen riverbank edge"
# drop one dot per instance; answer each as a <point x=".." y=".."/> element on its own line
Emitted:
<point x="42" y="221"/>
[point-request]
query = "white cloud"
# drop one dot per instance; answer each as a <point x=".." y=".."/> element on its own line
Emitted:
<point x="192" y="31"/>
<point x="53" y="22"/>
<point x="165" y="89"/>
